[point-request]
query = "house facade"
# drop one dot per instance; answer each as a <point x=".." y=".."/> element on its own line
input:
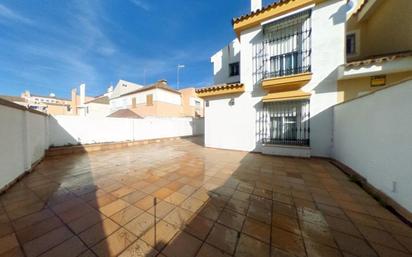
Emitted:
<point x="159" y="100"/>
<point x="298" y="59"/>
<point x="289" y="55"/>
<point x="378" y="47"/>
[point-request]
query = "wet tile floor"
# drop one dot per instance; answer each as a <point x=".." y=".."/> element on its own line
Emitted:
<point x="210" y="203"/>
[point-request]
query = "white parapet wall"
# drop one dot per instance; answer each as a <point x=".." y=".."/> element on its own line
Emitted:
<point x="373" y="136"/>
<point x="25" y="135"/>
<point x="72" y="130"/>
<point x="23" y="141"/>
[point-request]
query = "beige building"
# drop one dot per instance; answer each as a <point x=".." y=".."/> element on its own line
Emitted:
<point x="378" y="47"/>
<point x="159" y="100"/>
<point x="48" y="104"/>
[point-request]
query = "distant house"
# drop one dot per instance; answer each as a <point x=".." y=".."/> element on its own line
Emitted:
<point x="49" y="104"/>
<point x="98" y="107"/>
<point x="156" y="100"/>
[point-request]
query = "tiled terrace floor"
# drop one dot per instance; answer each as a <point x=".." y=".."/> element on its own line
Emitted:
<point x="211" y="203"/>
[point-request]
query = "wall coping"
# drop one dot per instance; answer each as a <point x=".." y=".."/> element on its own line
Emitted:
<point x="20" y="107"/>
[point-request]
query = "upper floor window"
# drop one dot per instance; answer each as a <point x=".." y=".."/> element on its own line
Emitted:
<point x="149" y="100"/>
<point x="234" y="69"/>
<point x="351" y="44"/>
<point x="286" y="48"/>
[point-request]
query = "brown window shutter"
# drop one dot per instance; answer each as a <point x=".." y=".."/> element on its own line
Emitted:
<point x="149" y="100"/>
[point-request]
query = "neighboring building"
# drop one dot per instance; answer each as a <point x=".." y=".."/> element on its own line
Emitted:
<point x="98" y="107"/>
<point x="191" y="103"/>
<point x="226" y="64"/>
<point x="379" y="47"/>
<point x="124" y="87"/>
<point x="158" y="100"/>
<point x="289" y="55"/>
<point x="48" y="104"/>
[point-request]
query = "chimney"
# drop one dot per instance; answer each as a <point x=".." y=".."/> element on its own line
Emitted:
<point x="82" y="94"/>
<point x="255" y="5"/>
<point x="74" y="101"/>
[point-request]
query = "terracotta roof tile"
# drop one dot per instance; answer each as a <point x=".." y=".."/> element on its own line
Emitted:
<point x="125" y="113"/>
<point x="219" y="87"/>
<point x="379" y="59"/>
<point x="265" y="8"/>
<point x="99" y="100"/>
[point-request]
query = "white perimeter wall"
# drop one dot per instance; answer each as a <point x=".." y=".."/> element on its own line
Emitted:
<point x="24" y="135"/>
<point x="373" y="136"/>
<point x="23" y="140"/>
<point x="66" y="130"/>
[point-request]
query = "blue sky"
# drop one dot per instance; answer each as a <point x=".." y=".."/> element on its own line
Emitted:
<point x="52" y="46"/>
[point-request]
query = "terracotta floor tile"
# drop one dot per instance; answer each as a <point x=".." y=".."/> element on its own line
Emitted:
<point x="69" y="248"/>
<point x="380" y="237"/>
<point x="126" y="215"/>
<point x="141" y="224"/>
<point x="38" y="229"/>
<point x="101" y="201"/>
<point x="288" y="242"/>
<point x="139" y="249"/>
<point x="278" y="194"/>
<point x="192" y="204"/>
<point x="175" y="185"/>
<point x="231" y="219"/>
<point x="98" y="232"/>
<point x="47" y="241"/>
<point x="176" y="198"/>
<point x="15" y="252"/>
<point x="8" y="243"/>
<point x="318" y="250"/>
<point x="163" y="193"/>
<point x="87" y="253"/>
<point x="209" y="251"/>
<point x="182" y="245"/>
<point x="164" y="233"/>
<point x="133" y="197"/>
<point x="317" y="233"/>
<point x="250" y="247"/>
<point x="353" y="245"/>
<point x="389" y="252"/>
<point x="286" y="222"/>
<point x="145" y="203"/>
<point x="32" y="219"/>
<point x="256" y="229"/>
<point x="113" y="207"/>
<point x="123" y="191"/>
<point x="162" y="209"/>
<point x="223" y="238"/>
<point x="187" y="190"/>
<point x="81" y="224"/>
<point x="114" y="244"/>
<point x="199" y="227"/>
<point x="179" y="217"/>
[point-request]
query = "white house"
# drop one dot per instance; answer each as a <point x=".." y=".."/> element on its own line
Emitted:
<point x="289" y="53"/>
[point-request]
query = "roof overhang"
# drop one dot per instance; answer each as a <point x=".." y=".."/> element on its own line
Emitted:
<point x="286" y="96"/>
<point x="219" y="90"/>
<point x="286" y="83"/>
<point x="375" y="67"/>
<point x="274" y="10"/>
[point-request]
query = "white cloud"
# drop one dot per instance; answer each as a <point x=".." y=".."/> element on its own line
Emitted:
<point x="141" y="4"/>
<point x="8" y="14"/>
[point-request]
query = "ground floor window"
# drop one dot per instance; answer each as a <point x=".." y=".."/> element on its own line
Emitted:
<point x="286" y="123"/>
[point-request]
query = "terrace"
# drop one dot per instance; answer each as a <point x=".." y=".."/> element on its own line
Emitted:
<point x="209" y="203"/>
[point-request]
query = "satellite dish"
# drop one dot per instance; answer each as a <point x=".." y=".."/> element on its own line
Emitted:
<point x="52" y="95"/>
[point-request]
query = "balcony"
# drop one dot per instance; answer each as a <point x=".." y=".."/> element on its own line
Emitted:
<point x="285" y="53"/>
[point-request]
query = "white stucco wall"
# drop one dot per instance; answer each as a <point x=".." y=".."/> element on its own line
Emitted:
<point x="65" y="130"/>
<point x="23" y="140"/>
<point x="372" y="135"/>
<point x="97" y="110"/>
<point x="221" y="60"/>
